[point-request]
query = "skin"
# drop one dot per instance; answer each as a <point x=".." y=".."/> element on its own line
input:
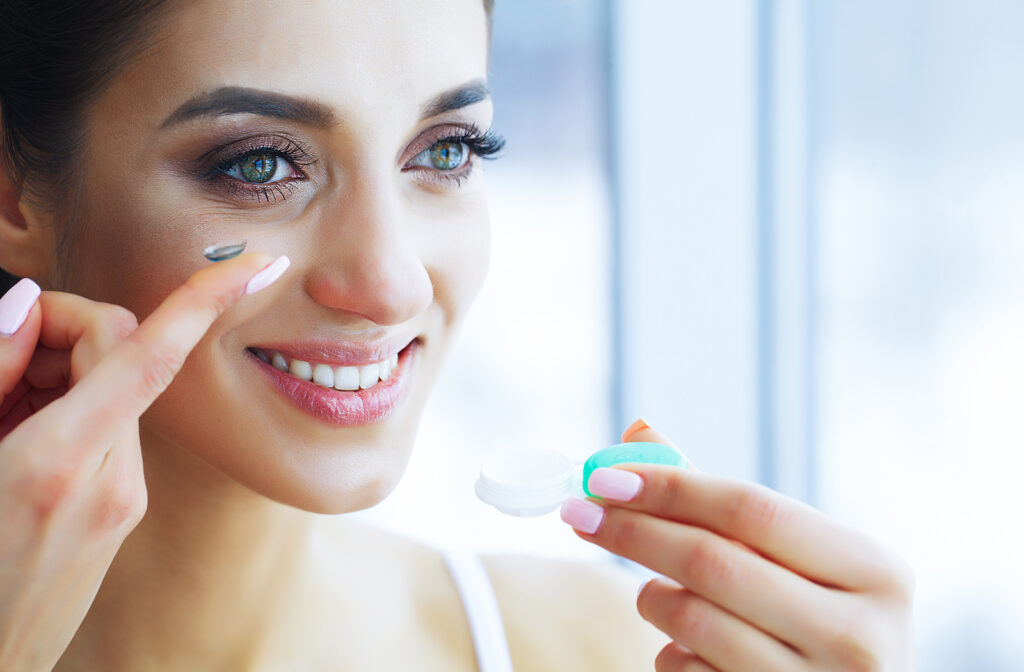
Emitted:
<point x="224" y="562"/>
<point x="218" y="570"/>
<point x="752" y="579"/>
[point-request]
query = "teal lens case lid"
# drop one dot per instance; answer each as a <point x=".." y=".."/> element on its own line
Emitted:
<point x="533" y="482"/>
<point x="637" y="451"/>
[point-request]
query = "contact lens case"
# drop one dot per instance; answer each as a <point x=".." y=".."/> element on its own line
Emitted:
<point x="533" y="482"/>
<point x="638" y="451"/>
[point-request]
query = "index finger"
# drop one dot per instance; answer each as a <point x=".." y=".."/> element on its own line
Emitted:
<point x="782" y="529"/>
<point x="139" y="368"/>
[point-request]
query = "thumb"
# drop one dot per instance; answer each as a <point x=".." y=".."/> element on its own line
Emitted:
<point x="641" y="431"/>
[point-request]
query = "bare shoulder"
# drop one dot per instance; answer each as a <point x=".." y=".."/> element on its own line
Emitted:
<point x="572" y="615"/>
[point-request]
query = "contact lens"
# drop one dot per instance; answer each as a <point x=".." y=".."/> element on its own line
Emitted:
<point x="222" y="252"/>
<point x="447" y="155"/>
<point x="258" y="168"/>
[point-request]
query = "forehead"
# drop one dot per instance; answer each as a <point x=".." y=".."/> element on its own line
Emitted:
<point x="368" y="59"/>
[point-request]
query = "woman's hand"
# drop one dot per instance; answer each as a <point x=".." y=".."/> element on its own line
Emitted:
<point x="74" y="378"/>
<point x="753" y="580"/>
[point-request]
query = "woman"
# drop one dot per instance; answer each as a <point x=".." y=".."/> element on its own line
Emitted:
<point x="342" y="142"/>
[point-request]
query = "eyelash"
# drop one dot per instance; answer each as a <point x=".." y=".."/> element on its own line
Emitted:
<point x="291" y="151"/>
<point x="484" y="144"/>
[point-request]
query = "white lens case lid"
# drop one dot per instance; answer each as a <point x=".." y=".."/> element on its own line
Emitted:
<point x="527" y="482"/>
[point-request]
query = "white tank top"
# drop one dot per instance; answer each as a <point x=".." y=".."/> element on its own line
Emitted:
<point x="485" y="624"/>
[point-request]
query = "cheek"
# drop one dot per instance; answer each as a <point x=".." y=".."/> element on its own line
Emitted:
<point x="133" y="252"/>
<point x="459" y="261"/>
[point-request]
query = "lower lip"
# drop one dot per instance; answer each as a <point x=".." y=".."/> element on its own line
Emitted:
<point x="346" y="408"/>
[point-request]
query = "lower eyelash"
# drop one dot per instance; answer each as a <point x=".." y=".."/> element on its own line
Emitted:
<point x="270" y="193"/>
<point x="458" y="178"/>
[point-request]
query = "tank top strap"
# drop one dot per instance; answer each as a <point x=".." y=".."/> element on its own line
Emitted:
<point x="481" y="606"/>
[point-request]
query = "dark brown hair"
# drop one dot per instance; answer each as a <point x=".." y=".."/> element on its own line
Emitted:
<point x="56" y="56"/>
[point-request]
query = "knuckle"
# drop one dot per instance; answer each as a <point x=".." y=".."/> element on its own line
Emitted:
<point x="707" y="563"/>
<point x="214" y="303"/>
<point x="671" y="659"/>
<point x="46" y="489"/>
<point x="852" y="650"/>
<point x="623" y="530"/>
<point x="119" y="320"/>
<point x="665" y="661"/>
<point x="899" y="581"/>
<point x="671" y="493"/>
<point x="688" y="620"/>
<point x="159" y="369"/>
<point x="753" y="509"/>
<point x="122" y="507"/>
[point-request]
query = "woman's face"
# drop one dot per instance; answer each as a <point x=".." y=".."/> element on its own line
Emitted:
<point x="315" y="129"/>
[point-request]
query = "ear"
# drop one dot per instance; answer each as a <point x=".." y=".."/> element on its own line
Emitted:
<point x="26" y="233"/>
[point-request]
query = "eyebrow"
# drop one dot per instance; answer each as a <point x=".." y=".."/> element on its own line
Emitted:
<point x="228" y="100"/>
<point x="461" y="96"/>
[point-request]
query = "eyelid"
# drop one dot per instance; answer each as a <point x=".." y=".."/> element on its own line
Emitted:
<point x="431" y="137"/>
<point x="296" y="152"/>
<point x="212" y="167"/>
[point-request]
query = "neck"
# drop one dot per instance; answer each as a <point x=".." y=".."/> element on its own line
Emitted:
<point x="205" y="576"/>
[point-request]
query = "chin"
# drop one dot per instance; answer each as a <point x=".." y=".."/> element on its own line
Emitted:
<point x="360" y="477"/>
<point x="233" y="418"/>
<point x="276" y="451"/>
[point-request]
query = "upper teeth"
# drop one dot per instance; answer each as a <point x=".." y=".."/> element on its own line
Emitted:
<point x="338" y="377"/>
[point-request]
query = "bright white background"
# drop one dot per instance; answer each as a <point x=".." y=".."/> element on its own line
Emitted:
<point x="791" y="235"/>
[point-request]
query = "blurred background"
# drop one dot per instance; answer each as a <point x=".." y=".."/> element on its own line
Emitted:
<point x="788" y="234"/>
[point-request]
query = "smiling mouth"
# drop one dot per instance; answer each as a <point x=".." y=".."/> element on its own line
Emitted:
<point x="346" y="378"/>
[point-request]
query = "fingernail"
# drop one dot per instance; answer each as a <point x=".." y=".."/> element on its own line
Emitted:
<point x="583" y="515"/>
<point x="16" y="304"/>
<point x="268" y="275"/>
<point x="643" y="584"/>
<point x="637" y="425"/>
<point x="617" y="484"/>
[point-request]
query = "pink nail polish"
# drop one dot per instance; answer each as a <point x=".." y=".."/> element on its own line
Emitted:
<point x="268" y="275"/>
<point x="16" y="304"/>
<point x="617" y="484"/>
<point x="583" y="515"/>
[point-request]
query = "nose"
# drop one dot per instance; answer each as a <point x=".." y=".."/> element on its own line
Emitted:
<point x="369" y="264"/>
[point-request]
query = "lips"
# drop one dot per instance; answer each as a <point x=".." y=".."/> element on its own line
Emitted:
<point x="347" y="408"/>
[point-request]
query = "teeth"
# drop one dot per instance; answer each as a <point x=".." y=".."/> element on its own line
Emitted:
<point x="388" y="366"/>
<point x="348" y="378"/>
<point x="369" y="375"/>
<point x="323" y="375"/>
<point x="300" y="369"/>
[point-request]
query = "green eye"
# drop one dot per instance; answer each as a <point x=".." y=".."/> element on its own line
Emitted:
<point x="258" y="168"/>
<point x="447" y="155"/>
